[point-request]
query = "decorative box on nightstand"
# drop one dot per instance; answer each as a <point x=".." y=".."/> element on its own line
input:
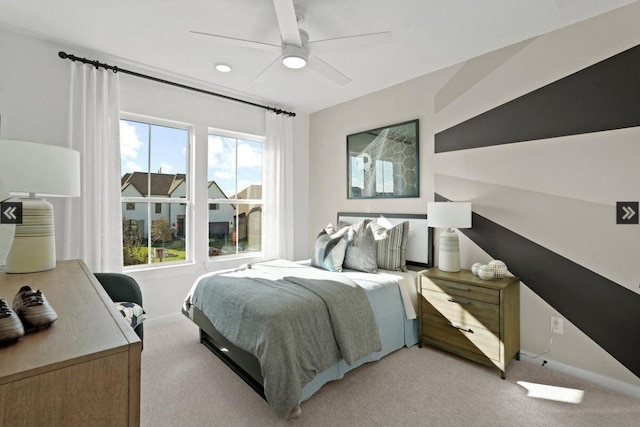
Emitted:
<point x="473" y="318"/>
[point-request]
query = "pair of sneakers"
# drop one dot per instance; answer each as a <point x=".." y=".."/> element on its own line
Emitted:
<point x="30" y="311"/>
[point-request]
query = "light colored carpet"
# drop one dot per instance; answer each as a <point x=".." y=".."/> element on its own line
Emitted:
<point x="184" y="384"/>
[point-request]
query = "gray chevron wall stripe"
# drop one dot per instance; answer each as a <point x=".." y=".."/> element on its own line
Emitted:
<point x="604" y="96"/>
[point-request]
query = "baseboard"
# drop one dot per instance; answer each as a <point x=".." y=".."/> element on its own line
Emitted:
<point x="164" y="319"/>
<point x="607" y="382"/>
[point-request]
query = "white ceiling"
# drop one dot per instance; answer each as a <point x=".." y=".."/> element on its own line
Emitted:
<point x="428" y="35"/>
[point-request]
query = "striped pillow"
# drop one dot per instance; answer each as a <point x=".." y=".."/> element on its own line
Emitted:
<point x="391" y="245"/>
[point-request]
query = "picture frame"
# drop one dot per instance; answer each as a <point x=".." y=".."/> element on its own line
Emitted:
<point x="384" y="162"/>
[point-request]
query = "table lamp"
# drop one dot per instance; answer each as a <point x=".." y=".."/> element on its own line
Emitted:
<point x="449" y="215"/>
<point x="36" y="170"/>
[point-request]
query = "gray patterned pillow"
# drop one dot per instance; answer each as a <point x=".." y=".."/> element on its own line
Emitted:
<point x="328" y="251"/>
<point x="392" y="245"/>
<point x="361" y="249"/>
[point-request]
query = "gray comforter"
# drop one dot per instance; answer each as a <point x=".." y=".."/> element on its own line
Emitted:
<point x="296" y="325"/>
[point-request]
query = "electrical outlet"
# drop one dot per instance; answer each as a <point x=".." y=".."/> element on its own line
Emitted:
<point x="556" y="325"/>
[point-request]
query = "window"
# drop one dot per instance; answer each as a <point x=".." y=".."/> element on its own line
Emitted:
<point x="154" y="190"/>
<point x="234" y="175"/>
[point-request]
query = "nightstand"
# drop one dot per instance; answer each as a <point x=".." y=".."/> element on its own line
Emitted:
<point x="473" y="318"/>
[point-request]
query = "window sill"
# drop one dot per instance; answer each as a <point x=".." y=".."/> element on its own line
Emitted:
<point x="157" y="266"/>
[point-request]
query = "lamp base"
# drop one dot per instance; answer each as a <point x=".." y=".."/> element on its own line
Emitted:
<point x="449" y="254"/>
<point x="34" y="245"/>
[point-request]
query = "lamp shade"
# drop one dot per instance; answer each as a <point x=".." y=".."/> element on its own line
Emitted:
<point x="36" y="170"/>
<point x="45" y="170"/>
<point x="449" y="214"/>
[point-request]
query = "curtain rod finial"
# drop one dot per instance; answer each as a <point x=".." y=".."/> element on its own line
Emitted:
<point x="62" y="55"/>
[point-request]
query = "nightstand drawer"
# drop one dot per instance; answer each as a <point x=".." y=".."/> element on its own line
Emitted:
<point x="462" y="310"/>
<point x="467" y="337"/>
<point x="462" y="289"/>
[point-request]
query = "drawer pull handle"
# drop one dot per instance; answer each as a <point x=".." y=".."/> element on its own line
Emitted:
<point x="459" y="302"/>
<point x="461" y="328"/>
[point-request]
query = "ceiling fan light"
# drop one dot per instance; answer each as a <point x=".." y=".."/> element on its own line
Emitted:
<point x="294" y="61"/>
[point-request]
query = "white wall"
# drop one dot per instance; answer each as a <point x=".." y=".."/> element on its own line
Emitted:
<point x="34" y="86"/>
<point x="464" y="91"/>
<point x="328" y="149"/>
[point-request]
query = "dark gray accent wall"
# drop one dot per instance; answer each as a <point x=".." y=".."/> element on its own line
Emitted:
<point x="604" y="96"/>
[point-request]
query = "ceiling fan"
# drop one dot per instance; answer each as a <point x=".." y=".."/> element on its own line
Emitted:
<point x="296" y="51"/>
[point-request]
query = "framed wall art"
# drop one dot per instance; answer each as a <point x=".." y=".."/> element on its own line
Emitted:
<point x="383" y="162"/>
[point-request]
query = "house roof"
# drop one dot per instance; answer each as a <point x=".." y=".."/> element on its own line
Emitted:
<point x="162" y="184"/>
<point x="253" y="191"/>
<point x="215" y="184"/>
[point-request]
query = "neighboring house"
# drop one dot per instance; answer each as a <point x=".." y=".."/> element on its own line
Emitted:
<point x="159" y="185"/>
<point x="141" y="184"/>
<point x="250" y="217"/>
<point x="220" y="215"/>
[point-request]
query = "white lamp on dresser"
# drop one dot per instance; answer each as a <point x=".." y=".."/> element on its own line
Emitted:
<point x="449" y="215"/>
<point x="36" y="170"/>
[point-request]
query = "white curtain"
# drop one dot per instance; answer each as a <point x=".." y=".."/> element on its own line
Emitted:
<point x="93" y="227"/>
<point x="277" y="221"/>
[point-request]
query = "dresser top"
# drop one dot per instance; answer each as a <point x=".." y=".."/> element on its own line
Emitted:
<point x="88" y="326"/>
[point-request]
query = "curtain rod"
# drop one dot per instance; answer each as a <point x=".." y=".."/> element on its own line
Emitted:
<point x="115" y="69"/>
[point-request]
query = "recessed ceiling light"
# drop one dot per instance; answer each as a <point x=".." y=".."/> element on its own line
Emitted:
<point x="294" y="61"/>
<point x="223" y="68"/>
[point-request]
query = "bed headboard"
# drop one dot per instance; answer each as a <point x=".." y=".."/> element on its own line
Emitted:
<point x="420" y="245"/>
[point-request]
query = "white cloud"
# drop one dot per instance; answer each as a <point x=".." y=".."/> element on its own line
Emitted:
<point x="216" y="154"/>
<point x="248" y="157"/>
<point x="222" y="163"/>
<point x="220" y="175"/>
<point x="129" y="141"/>
<point x="222" y="155"/>
<point x="131" y="166"/>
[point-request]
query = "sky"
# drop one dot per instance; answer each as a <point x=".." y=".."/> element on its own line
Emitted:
<point x="169" y="155"/>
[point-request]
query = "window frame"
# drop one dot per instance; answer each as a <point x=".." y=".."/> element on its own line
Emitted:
<point x="245" y="137"/>
<point x="152" y="202"/>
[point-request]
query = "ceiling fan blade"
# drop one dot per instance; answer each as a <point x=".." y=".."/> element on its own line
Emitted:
<point x="288" y="23"/>
<point x="327" y="70"/>
<point x="260" y="77"/>
<point x="232" y="41"/>
<point x="350" y="42"/>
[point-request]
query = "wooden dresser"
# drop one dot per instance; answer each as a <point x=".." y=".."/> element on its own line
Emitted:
<point x="474" y="318"/>
<point x="84" y="370"/>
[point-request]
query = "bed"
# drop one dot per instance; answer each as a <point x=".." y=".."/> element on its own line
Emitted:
<point x="331" y="318"/>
